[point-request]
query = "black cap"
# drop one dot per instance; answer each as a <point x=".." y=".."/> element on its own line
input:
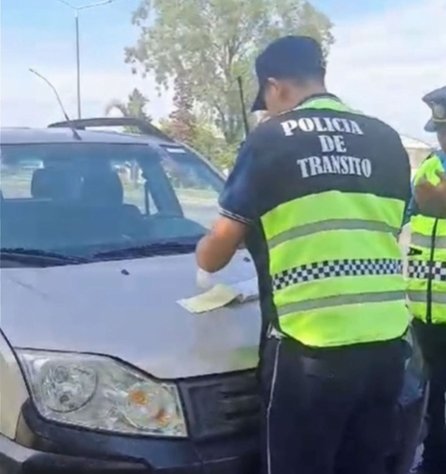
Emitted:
<point x="436" y="100"/>
<point x="287" y="58"/>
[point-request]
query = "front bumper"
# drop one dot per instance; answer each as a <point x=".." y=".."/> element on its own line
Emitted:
<point x="17" y="459"/>
<point x="49" y="448"/>
<point x="57" y="449"/>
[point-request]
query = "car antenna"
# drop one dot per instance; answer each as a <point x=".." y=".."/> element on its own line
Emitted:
<point x="242" y="101"/>
<point x="75" y="133"/>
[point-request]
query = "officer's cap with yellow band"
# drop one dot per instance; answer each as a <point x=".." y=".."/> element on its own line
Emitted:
<point x="436" y="100"/>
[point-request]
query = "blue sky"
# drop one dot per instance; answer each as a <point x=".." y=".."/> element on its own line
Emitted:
<point x="108" y="28"/>
<point x="383" y="61"/>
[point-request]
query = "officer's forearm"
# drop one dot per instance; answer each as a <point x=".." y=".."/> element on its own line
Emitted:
<point x="214" y="253"/>
<point x="216" y="249"/>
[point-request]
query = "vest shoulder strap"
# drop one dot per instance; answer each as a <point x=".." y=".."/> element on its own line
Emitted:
<point x="326" y="103"/>
<point x="428" y="169"/>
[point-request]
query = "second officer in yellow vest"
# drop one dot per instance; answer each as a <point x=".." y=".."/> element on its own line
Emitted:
<point x="427" y="280"/>
<point x="318" y="194"/>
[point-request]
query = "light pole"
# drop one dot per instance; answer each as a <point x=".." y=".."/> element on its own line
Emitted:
<point x="77" y="10"/>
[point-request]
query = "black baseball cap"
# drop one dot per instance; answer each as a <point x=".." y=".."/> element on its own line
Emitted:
<point x="287" y="58"/>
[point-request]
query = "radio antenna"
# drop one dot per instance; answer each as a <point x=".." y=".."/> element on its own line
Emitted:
<point x="242" y="102"/>
<point x="40" y="76"/>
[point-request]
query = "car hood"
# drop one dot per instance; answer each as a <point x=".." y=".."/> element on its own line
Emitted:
<point x="129" y="310"/>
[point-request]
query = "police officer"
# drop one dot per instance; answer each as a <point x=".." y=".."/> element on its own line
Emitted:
<point x="427" y="279"/>
<point x="318" y="194"/>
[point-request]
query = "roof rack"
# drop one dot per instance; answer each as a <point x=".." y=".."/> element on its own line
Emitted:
<point x="145" y="128"/>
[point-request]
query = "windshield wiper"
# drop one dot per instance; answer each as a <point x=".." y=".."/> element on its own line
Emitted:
<point x="149" y="250"/>
<point x="40" y="256"/>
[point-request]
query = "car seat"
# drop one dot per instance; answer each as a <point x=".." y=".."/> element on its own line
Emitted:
<point x="56" y="183"/>
<point x="102" y="199"/>
<point x="102" y="188"/>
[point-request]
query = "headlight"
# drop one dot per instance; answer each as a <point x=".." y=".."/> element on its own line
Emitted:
<point x="99" y="393"/>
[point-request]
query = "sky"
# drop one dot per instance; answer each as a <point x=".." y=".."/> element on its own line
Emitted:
<point x="387" y="55"/>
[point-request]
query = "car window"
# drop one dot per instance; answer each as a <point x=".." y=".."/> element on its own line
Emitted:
<point x="87" y="199"/>
<point x="135" y="189"/>
<point x="16" y="177"/>
<point x="195" y="184"/>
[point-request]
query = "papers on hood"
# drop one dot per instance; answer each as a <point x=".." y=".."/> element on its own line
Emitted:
<point x="221" y="295"/>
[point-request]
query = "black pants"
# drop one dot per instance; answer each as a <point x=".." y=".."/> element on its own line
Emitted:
<point x="331" y="411"/>
<point x="432" y="339"/>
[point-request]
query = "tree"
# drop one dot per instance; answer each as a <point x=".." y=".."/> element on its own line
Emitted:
<point x="192" y="129"/>
<point x="209" y="43"/>
<point x="134" y="107"/>
<point x="182" y="121"/>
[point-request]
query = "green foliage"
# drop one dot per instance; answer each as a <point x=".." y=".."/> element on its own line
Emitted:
<point x="214" y="147"/>
<point x="134" y="107"/>
<point x="202" y="138"/>
<point x="182" y="121"/>
<point x="207" y="44"/>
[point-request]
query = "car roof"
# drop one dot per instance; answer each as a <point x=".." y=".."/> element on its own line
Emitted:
<point x="22" y="135"/>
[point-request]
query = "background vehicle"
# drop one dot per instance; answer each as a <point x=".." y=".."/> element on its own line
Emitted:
<point x="101" y="369"/>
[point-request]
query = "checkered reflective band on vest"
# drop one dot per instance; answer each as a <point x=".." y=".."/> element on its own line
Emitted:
<point x="336" y="268"/>
<point x="427" y="257"/>
<point x="334" y="260"/>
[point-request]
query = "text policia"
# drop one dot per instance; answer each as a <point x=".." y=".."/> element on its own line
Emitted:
<point x="338" y="163"/>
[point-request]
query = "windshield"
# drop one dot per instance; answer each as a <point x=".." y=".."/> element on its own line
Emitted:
<point x="93" y="200"/>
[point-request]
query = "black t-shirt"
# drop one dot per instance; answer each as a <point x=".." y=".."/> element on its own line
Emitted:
<point x="304" y="152"/>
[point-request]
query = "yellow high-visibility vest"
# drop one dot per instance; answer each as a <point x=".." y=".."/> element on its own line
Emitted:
<point x="427" y="257"/>
<point x="335" y="263"/>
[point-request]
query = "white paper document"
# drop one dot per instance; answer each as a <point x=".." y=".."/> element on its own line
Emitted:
<point x="221" y="295"/>
<point x="218" y="296"/>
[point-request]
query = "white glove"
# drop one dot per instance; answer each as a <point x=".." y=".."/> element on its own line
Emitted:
<point x="204" y="279"/>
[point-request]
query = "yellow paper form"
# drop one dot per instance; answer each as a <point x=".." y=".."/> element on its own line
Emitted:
<point x="217" y="297"/>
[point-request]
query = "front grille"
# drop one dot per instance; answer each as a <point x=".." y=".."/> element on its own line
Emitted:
<point x="221" y="405"/>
